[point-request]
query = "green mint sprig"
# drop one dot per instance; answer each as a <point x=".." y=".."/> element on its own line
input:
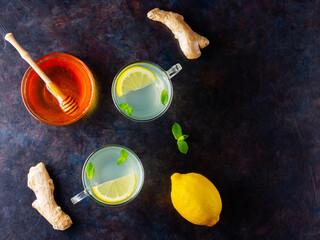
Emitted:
<point x="90" y="169"/>
<point x="164" y="97"/>
<point x="177" y="133"/>
<point x="124" y="155"/>
<point x="126" y="107"/>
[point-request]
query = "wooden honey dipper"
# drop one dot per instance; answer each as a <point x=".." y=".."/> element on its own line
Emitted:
<point x="67" y="103"/>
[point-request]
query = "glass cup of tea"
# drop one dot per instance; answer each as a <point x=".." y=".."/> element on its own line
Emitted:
<point x="112" y="175"/>
<point x="142" y="91"/>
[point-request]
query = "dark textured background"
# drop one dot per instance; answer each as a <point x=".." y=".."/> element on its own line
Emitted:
<point x="250" y="104"/>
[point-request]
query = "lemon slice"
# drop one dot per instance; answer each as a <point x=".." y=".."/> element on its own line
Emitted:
<point x="116" y="190"/>
<point x="133" y="79"/>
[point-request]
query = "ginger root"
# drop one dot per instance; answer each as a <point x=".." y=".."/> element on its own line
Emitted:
<point x="42" y="185"/>
<point x="190" y="42"/>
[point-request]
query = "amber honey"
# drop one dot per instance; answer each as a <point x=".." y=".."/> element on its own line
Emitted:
<point x="74" y="79"/>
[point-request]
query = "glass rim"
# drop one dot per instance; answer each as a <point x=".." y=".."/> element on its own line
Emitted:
<point x="139" y="163"/>
<point x="164" y="109"/>
<point x="39" y="61"/>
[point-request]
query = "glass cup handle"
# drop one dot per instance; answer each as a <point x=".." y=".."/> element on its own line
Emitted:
<point x="174" y="70"/>
<point x="77" y="198"/>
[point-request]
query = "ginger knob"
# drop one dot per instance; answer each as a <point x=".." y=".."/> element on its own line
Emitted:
<point x="190" y="42"/>
<point x="40" y="182"/>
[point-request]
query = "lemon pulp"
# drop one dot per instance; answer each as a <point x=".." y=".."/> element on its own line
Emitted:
<point x="116" y="190"/>
<point x="133" y="79"/>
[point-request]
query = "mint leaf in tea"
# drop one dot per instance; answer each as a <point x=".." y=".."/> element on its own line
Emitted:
<point x="164" y="97"/>
<point x="124" y="155"/>
<point x="90" y="169"/>
<point x="126" y="107"/>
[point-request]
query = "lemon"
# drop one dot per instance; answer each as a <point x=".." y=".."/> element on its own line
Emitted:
<point x="196" y="198"/>
<point x="133" y="79"/>
<point x="116" y="190"/>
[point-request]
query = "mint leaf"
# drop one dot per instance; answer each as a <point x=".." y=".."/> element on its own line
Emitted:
<point x="123" y="106"/>
<point x="129" y="110"/>
<point x="121" y="160"/>
<point x="183" y="146"/>
<point x="124" y="155"/>
<point x="176" y="131"/>
<point x="183" y="137"/>
<point x="164" y="97"/>
<point x="126" y="107"/>
<point x="90" y="169"/>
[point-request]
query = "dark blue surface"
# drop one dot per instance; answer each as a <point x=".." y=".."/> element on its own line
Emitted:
<point x="250" y="104"/>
